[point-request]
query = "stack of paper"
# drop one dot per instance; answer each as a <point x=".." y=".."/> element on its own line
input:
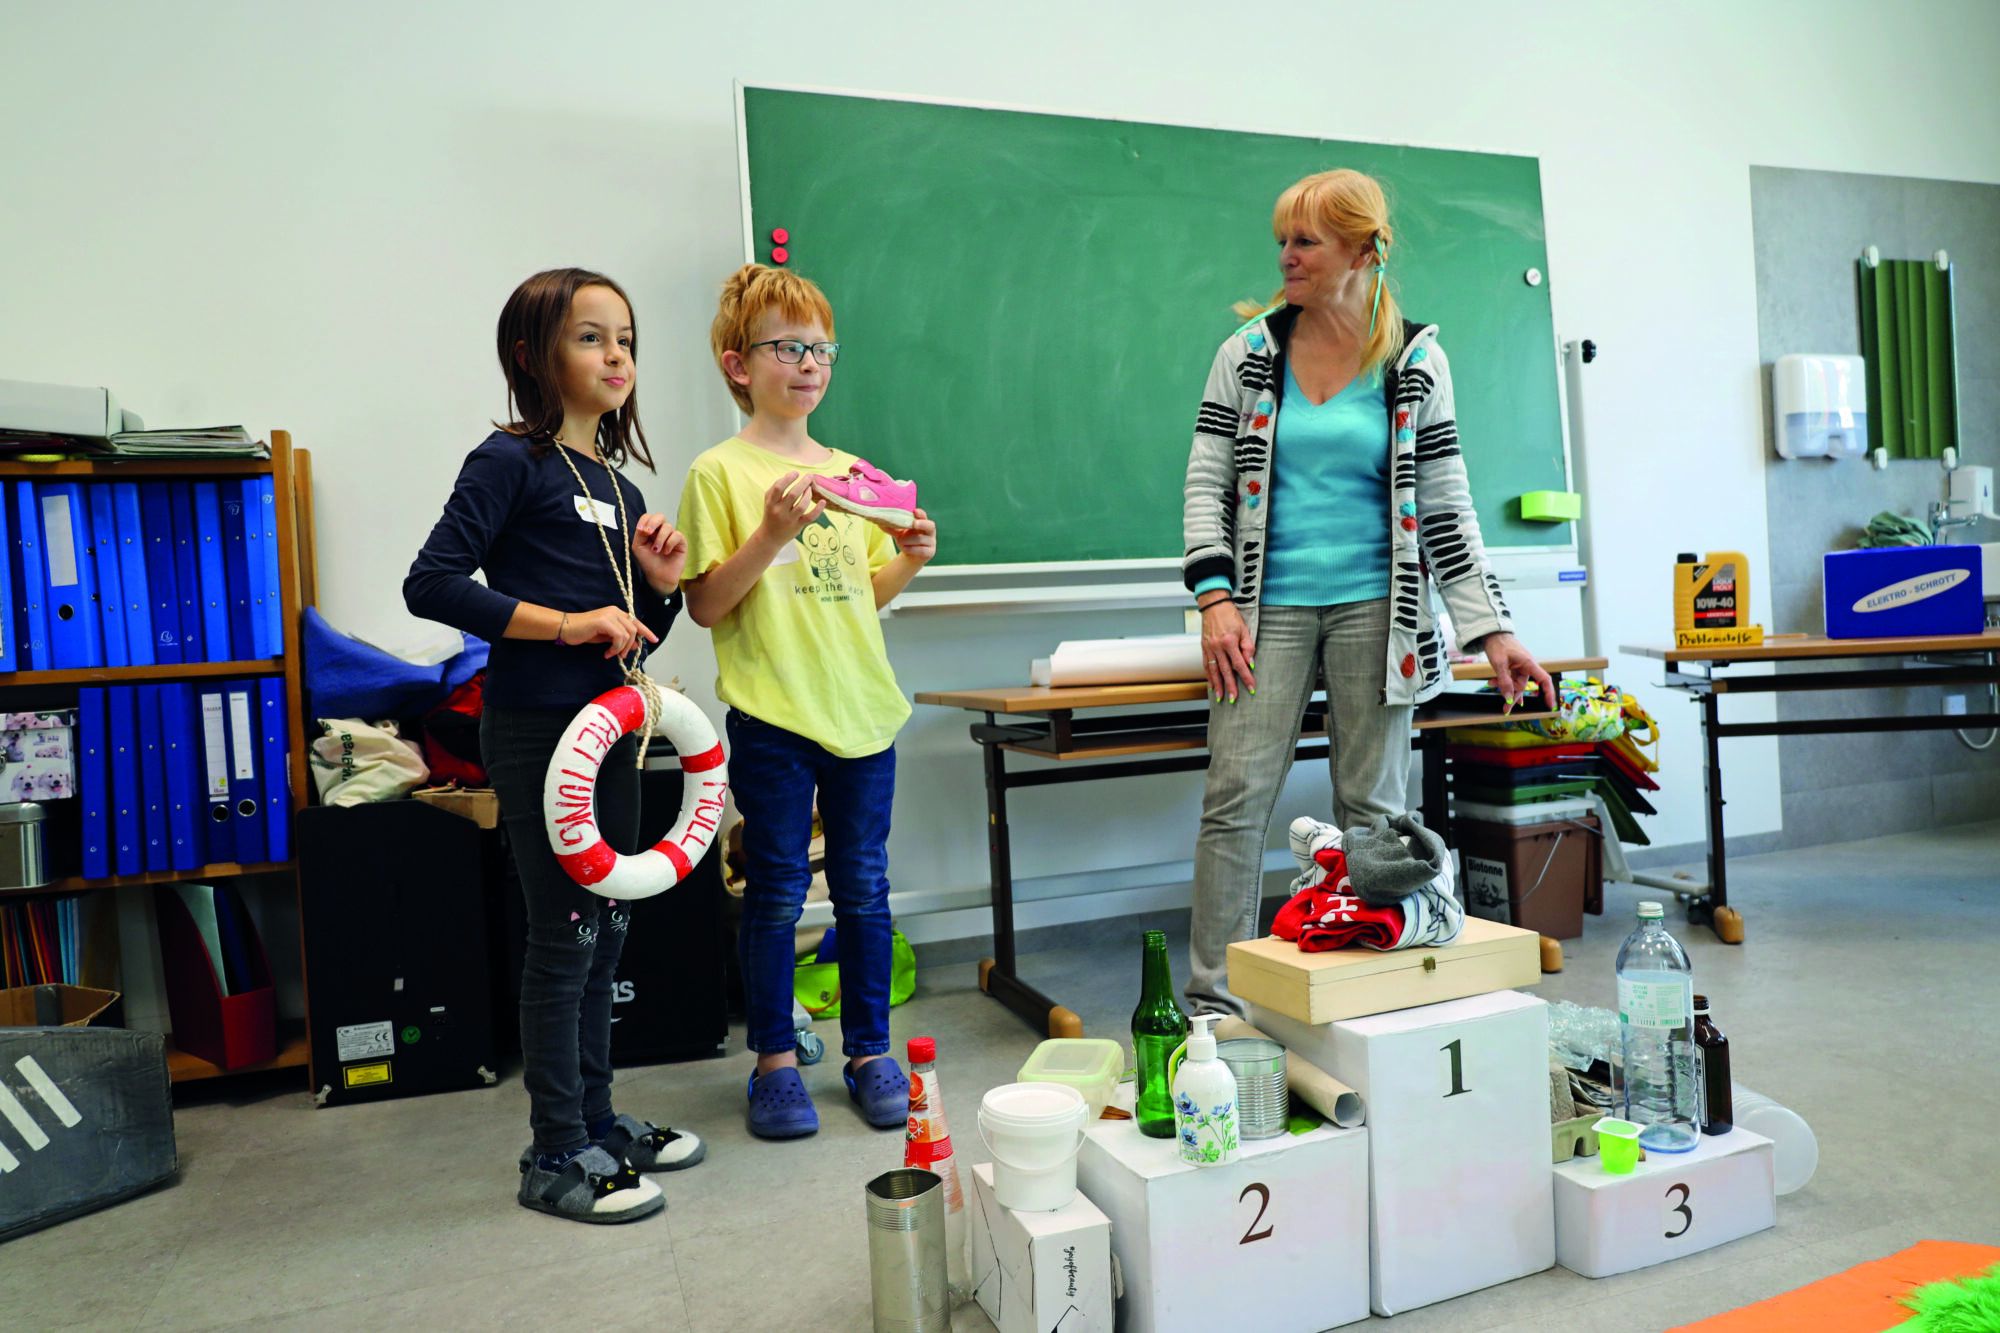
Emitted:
<point x="72" y="419"/>
<point x="1141" y="659"/>
<point x="188" y="442"/>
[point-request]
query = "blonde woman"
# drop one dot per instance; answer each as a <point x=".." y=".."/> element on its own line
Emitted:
<point x="1326" y="496"/>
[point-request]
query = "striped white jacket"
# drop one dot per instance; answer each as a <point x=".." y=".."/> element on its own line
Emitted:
<point x="1433" y="534"/>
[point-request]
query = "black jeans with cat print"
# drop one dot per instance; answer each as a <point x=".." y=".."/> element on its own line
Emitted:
<point x="574" y="936"/>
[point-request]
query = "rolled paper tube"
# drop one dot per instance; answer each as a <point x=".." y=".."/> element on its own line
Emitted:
<point x="1309" y="1083"/>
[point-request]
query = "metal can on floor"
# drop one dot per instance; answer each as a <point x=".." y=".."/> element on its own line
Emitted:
<point x="907" y="1276"/>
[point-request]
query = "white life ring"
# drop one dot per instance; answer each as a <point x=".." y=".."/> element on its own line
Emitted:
<point x="569" y="794"/>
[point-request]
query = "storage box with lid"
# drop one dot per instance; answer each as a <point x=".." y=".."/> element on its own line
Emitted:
<point x="1540" y="877"/>
<point x="1351" y="983"/>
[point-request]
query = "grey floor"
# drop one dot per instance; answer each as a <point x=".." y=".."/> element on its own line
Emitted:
<point x="1864" y="998"/>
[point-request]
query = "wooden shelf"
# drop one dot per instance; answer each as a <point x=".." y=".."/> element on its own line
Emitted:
<point x="139" y="467"/>
<point x="262" y="666"/>
<point x="220" y="870"/>
<point x="292" y="1053"/>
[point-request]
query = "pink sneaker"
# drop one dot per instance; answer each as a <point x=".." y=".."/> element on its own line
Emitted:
<point x="872" y="493"/>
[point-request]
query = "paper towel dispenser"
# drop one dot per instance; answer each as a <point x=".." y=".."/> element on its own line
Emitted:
<point x="1820" y="406"/>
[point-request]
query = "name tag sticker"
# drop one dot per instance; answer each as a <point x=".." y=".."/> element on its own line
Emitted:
<point x="602" y="512"/>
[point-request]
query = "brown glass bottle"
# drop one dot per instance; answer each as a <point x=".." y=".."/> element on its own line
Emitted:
<point x="1718" y="1113"/>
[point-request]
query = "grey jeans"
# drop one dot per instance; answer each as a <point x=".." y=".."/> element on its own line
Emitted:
<point x="1250" y="745"/>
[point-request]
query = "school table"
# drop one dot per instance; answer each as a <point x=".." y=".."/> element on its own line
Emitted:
<point x="1043" y="723"/>
<point x="1700" y="673"/>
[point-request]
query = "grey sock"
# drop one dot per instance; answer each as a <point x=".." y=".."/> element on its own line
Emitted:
<point x="1390" y="859"/>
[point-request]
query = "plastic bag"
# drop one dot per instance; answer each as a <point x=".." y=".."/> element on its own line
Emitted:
<point x="357" y="762"/>
<point x="349" y="677"/>
<point x="816" y="983"/>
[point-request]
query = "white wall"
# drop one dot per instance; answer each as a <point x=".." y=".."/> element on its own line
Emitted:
<point x="309" y="220"/>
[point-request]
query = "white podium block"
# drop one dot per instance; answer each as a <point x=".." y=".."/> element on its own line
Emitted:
<point x="1036" y="1271"/>
<point x="1672" y="1204"/>
<point x="1275" y="1241"/>
<point x="1458" y="1140"/>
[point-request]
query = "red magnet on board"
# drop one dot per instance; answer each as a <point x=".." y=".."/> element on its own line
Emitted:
<point x="779" y="254"/>
<point x="780" y="236"/>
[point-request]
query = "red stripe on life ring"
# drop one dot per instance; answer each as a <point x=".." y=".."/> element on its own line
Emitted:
<point x="701" y="763"/>
<point x="591" y="864"/>
<point x="625" y="704"/>
<point x="671" y="850"/>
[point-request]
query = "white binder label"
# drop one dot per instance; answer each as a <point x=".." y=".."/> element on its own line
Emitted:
<point x="215" y="747"/>
<point x="59" y="540"/>
<point x="239" y="733"/>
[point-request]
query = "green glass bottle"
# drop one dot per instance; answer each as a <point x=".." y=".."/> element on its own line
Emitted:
<point x="1158" y="1026"/>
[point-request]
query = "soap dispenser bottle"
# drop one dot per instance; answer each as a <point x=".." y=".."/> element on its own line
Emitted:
<point x="1204" y="1098"/>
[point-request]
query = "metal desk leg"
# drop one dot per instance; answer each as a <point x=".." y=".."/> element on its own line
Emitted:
<point x="1712" y="908"/>
<point x="997" y="975"/>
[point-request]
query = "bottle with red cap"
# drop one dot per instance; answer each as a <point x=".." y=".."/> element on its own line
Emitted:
<point x="927" y="1144"/>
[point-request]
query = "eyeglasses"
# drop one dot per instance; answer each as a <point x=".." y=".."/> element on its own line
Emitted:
<point x="790" y="351"/>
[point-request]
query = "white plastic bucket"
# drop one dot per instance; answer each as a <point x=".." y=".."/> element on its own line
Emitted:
<point x="1795" y="1148"/>
<point x="1033" y="1131"/>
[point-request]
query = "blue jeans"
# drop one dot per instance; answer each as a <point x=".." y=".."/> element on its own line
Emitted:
<point x="773" y="774"/>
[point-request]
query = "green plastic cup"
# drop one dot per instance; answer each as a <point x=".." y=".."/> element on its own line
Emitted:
<point x="1617" y="1146"/>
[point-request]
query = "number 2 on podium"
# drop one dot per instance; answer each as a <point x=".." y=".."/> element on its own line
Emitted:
<point x="1263" y="1193"/>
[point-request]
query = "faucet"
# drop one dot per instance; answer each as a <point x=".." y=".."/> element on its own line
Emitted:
<point x="1941" y="519"/>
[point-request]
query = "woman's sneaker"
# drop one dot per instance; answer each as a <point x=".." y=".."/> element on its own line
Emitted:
<point x="645" y="1146"/>
<point x="589" y="1186"/>
<point x="872" y="493"/>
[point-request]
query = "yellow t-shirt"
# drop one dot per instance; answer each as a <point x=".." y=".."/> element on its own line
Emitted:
<point x="803" y="650"/>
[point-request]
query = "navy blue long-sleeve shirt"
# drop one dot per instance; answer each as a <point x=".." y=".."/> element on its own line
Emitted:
<point x="515" y="512"/>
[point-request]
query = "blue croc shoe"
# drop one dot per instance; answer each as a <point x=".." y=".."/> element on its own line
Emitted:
<point x="882" y="1091"/>
<point x="780" y="1106"/>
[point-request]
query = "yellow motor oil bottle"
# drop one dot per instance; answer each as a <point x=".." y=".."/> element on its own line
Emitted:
<point x="1711" y="592"/>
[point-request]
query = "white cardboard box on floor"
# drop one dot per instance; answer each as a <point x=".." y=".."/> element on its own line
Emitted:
<point x="1672" y="1204"/>
<point x="1275" y="1241"/>
<point x="1032" y="1272"/>
<point x="1458" y="1140"/>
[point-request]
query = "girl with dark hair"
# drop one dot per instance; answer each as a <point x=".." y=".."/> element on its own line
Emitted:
<point x="543" y="509"/>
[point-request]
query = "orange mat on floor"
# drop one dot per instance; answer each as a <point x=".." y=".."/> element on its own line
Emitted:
<point x="1864" y="1299"/>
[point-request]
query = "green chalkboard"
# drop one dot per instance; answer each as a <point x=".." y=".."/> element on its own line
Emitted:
<point x="1028" y="304"/>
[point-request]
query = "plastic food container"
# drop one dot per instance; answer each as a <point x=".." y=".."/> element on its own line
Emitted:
<point x="1091" y="1065"/>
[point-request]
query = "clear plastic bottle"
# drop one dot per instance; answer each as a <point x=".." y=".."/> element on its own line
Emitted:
<point x="1660" y="1085"/>
<point x="927" y="1144"/>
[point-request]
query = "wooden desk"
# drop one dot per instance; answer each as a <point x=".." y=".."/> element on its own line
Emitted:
<point x="1042" y="722"/>
<point x="1700" y="673"/>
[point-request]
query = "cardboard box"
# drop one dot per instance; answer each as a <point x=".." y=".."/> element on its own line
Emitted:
<point x="1036" y="1271"/>
<point x="1671" y="1205"/>
<point x="56" y="1006"/>
<point x="1321" y="988"/>
<point x="38" y="756"/>
<point x="1458" y="1140"/>
<point x="481" y="805"/>
<point x="1897" y="590"/>
<point x="1275" y="1241"/>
